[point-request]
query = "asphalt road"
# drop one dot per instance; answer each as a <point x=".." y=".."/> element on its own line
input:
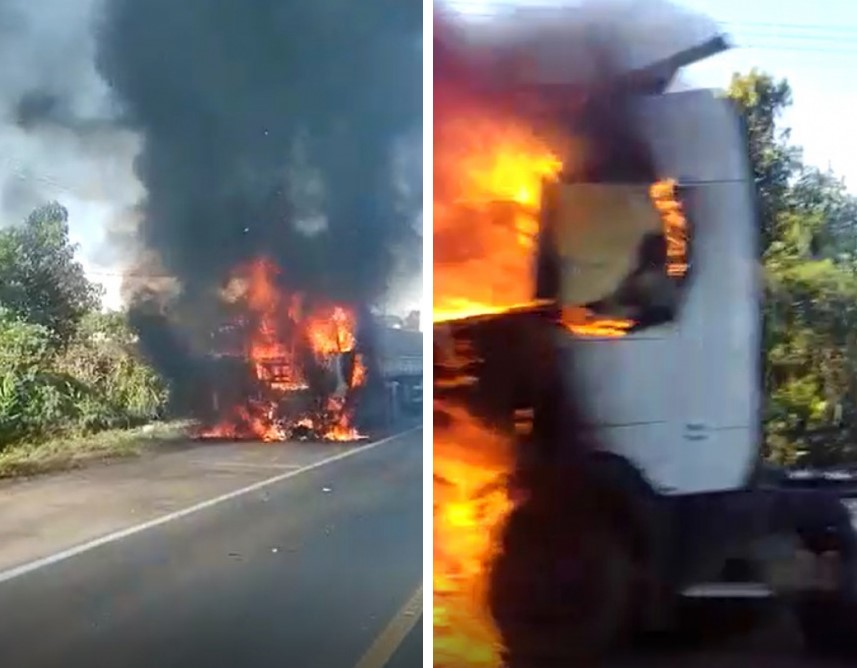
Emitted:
<point x="410" y="652"/>
<point x="319" y="569"/>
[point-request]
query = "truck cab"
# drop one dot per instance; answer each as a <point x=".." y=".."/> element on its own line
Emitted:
<point x="677" y="389"/>
<point x="632" y="384"/>
<point x="659" y="289"/>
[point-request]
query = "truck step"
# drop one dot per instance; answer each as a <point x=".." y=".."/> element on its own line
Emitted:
<point x="727" y="590"/>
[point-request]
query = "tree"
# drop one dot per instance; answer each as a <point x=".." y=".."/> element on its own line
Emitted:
<point x="65" y="367"/>
<point x="762" y="101"/>
<point x="809" y="252"/>
<point x="41" y="282"/>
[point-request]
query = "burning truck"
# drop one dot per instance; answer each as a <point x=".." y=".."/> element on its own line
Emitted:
<point x="272" y="216"/>
<point x="293" y="369"/>
<point x="597" y="377"/>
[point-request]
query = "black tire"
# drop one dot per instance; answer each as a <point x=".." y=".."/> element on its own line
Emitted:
<point x="828" y="619"/>
<point x="828" y="624"/>
<point x="561" y="594"/>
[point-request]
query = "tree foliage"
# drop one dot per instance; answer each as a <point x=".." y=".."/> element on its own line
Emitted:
<point x="65" y="367"/>
<point x="40" y="279"/>
<point x="808" y="225"/>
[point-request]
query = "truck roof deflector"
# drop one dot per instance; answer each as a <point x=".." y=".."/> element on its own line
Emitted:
<point x="657" y="76"/>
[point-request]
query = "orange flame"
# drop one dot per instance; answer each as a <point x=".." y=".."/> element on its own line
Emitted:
<point x="470" y="504"/>
<point x="332" y="331"/>
<point x="270" y="356"/>
<point x="583" y="322"/>
<point x="281" y="321"/>
<point x="665" y="198"/>
<point x="489" y="168"/>
<point x="358" y="373"/>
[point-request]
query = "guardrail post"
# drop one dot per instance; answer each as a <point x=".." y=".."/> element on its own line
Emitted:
<point x="393" y="399"/>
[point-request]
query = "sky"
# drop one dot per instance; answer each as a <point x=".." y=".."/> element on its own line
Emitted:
<point x="82" y="159"/>
<point x="47" y="45"/>
<point x="812" y="45"/>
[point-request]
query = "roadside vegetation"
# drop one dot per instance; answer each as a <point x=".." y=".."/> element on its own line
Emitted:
<point x="62" y="453"/>
<point x="68" y="371"/>
<point x="808" y="231"/>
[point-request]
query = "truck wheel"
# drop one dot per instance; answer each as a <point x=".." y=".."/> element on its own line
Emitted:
<point x="828" y="614"/>
<point x="560" y="594"/>
<point x="828" y="625"/>
<point x="827" y="610"/>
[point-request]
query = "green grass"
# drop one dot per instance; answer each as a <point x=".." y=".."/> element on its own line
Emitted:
<point x="71" y="452"/>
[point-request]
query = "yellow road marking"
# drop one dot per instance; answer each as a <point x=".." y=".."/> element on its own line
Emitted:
<point x="386" y="644"/>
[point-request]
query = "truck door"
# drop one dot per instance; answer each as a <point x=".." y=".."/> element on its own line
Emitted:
<point x="620" y="281"/>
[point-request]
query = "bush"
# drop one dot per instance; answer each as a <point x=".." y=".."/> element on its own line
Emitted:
<point x="94" y="383"/>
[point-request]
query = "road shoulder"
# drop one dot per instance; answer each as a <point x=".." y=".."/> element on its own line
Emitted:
<point x="44" y="516"/>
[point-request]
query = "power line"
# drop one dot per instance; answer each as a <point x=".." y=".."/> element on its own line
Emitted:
<point x="790" y="29"/>
<point x="848" y="38"/>
<point x="842" y="41"/>
<point x="510" y="6"/>
<point x="819" y="28"/>
<point x="515" y="5"/>
<point x="797" y="49"/>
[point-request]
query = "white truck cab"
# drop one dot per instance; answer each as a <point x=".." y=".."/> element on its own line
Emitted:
<point x="669" y="391"/>
<point x="679" y="398"/>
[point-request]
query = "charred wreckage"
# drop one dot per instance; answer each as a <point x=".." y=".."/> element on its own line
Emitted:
<point x="286" y="369"/>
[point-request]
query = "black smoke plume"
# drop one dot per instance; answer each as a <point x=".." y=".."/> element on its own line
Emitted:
<point x="269" y="129"/>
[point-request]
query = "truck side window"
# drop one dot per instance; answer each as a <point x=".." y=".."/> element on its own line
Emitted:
<point x="620" y="252"/>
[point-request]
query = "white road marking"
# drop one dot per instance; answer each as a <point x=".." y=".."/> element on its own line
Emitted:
<point x="245" y="465"/>
<point x="31" y="566"/>
<point x="386" y="644"/>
